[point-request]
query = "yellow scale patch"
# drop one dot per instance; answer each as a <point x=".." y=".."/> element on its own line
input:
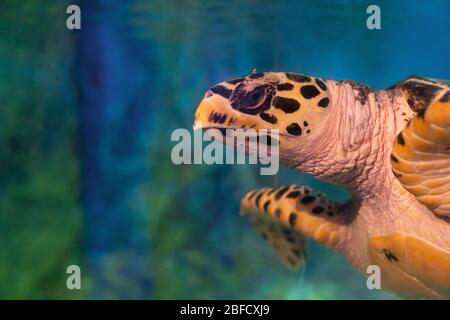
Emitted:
<point x="412" y="267"/>
<point x="421" y="158"/>
<point x="309" y="110"/>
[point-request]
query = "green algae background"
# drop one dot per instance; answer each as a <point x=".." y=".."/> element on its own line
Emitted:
<point x="85" y="122"/>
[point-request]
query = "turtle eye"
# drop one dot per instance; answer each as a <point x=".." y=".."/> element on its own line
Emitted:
<point x="255" y="98"/>
<point x="251" y="101"/>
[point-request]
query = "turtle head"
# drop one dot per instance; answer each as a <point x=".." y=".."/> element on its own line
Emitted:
<point x="294" y="104"/>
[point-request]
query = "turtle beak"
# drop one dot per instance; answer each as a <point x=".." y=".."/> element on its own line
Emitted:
<point x="212" y="112"/>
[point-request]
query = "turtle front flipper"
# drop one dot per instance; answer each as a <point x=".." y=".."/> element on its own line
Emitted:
<point x="421" y="155"/>
<point x="285" y="215"/>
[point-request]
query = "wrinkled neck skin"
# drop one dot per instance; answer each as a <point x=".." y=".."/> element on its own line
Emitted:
<point x="353" y="146"/>
<point x="352" y="149"/>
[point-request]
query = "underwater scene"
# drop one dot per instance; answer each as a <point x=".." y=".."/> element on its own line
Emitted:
<point x="92" y="93"/>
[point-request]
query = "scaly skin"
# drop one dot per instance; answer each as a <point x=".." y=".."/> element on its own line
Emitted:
<point x="363" y="166"/>
<point x="348" y="141"/>
<point x="385" y="207"/>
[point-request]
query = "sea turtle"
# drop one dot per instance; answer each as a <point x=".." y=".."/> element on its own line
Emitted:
<point x="390" y="148"/>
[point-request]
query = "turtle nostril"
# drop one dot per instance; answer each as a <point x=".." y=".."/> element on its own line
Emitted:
<point x="208" y="94"/>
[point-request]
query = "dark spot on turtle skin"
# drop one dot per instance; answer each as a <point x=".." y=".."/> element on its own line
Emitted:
<point x="286" y="104"/>
<point x="318" y="210"/>
<point x="421" y="94"/>
<point x="217" y="117"/>
<point x="268" y="118"/>
<point x="266" y="205"/>
<point x="323" y="103"/>
<point x="308" y="131"/>
<point x="297" y="77"/>
<point x="307" y="199"/>
<point x="292" y="219"/>
<point x="256" y="75"/>
<point x="280" y="193"/>
<point x="305" y="123"/>
<point x="277" y="212"/>
<point x="271" y="191"/>
<point x="224" y="118"/>
<point x="445" y="97"/>
<point x="389" y="255"/>
<point x="321" y="84"/>
<point x="236" y="81"/>
<point x="306" y="191"/>
<point x="293" y="194"/>
<point x="222" y="91"/>
<point x="362" y="90"/>
<point x="258" y="198"/>
<point x="394" y="158"/>
<point x="294" y="129"/>
<point x="285" y="87"/>
<point x="251" y="195"/>
<point x="330" y="213"/>
<point x="400" y="139"/>
<point x="363" y="94"/>
<point x="231" y="121"/>
<point x="411" y="103"/>
<point x="290" y="238"/>
<point x="309" y="91"/>
<point x="421" y="113"/>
